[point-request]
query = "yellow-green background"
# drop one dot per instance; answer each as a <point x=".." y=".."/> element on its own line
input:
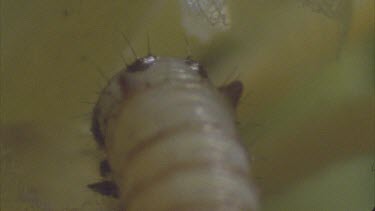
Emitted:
<point x="307" y="114"/>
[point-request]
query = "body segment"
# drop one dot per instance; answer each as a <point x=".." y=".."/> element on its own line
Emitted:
<point x="171" y="139"/>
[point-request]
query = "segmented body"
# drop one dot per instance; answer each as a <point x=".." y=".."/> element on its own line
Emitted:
<point x="171" y="139"/>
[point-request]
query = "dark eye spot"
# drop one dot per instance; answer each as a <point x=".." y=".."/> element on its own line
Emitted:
<point x="142" y="64"/>
<point x="196" y="66"/>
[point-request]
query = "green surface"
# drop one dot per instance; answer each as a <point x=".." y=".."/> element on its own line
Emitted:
<point x="307" y="114"/>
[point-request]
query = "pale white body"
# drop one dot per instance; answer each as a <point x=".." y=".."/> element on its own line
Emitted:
<point x="172" y="142"/>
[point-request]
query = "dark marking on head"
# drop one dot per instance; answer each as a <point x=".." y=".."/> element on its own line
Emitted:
<point x="104" y="168"/>
<point x="233" y="91"/>
<point x="196" y="66"/>
<point x="142" y="64"/>
<point x="106" y="188"/>
<point x="95" y="128"/>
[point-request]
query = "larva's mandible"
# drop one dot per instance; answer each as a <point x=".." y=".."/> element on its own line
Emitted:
<point x="171" y="139"/>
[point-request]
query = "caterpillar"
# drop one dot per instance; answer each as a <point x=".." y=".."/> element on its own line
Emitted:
<point x="170" y="139"/>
